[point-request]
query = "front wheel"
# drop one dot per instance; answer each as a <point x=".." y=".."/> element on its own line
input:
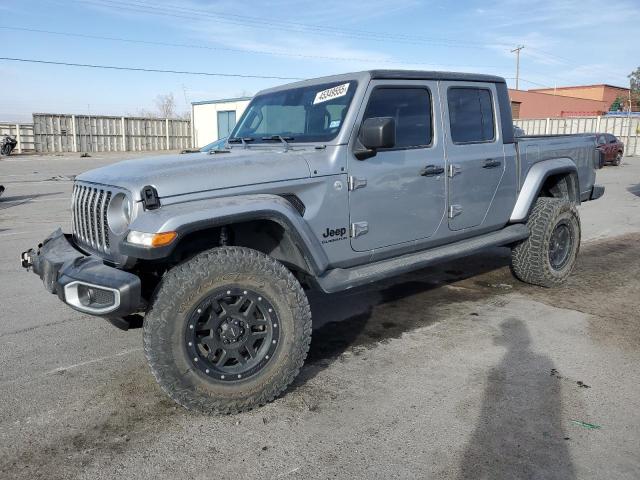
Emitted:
<point x="228" y="330"/>
<point x="547" y="257"/>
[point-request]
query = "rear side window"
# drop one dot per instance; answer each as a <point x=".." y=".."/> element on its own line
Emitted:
<point x="411" y="109"/>
<point x="471" y="115"/>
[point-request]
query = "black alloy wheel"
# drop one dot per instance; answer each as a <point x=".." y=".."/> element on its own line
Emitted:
<point x="560" y="245"/>
<point x="232" y="334"/>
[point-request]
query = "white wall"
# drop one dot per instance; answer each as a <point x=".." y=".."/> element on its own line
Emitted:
<point x="205" y="119"/>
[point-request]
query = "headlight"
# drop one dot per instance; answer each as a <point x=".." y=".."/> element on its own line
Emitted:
<point x="151" y="240"/>
<point x="119" y="214"/>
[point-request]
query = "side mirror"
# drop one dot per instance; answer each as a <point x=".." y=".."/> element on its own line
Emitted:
<point x="375" y="133"/>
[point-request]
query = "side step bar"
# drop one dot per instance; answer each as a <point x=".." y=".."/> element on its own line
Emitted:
<point x="344" y="278"/>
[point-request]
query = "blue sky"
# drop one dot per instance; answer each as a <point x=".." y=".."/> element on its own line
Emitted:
<point x="566" y="42"/>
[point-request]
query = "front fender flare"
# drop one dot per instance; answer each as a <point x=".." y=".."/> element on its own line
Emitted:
<point x="536" y="176"/>
<point x="192" y="216"/>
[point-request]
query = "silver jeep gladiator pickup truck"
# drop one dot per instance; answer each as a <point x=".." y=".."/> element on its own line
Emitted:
<point x="329" y="183"/>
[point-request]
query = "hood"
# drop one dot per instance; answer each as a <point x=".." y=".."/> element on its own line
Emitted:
<point x="197" y="172"/>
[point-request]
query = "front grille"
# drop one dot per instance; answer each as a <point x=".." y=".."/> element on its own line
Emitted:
<point x="89" y="216"/>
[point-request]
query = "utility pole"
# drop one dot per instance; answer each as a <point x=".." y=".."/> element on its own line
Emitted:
<point x="517" y="52"/>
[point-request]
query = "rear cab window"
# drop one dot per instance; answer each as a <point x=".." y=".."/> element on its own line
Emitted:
<point x="471" y="115"/>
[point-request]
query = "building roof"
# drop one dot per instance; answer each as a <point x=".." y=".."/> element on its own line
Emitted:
<point x="577" y="86"/>
<point x="222" y="100"/>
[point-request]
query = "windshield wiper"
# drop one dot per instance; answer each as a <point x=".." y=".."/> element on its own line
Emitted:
<point x="243" y="140"/>
<point x="284" y="140"/>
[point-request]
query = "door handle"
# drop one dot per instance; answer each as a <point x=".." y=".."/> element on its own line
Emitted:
<point x="491" y="163"/>
<point x="431" y="171"/>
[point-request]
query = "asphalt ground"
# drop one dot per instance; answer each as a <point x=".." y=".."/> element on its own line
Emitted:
<point x="459" y="371"/>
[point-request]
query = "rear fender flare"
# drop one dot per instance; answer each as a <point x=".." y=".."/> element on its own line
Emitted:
<point x="535" y="179"/>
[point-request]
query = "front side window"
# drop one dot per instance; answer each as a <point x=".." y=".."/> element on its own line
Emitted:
<point x="306" y="114"/>
<point x="411" y="110"/>
<point x="471" y="115"/>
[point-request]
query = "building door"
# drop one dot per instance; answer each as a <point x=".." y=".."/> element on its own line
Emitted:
<point x="474" y="151"/>
<point x="398" y="195"/>
<point x="226" y="122"/>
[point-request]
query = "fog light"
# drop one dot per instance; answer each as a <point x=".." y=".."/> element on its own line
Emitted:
<point x="91" y="298"/>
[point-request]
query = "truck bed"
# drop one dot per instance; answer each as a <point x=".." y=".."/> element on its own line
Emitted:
<point x="581" y="148"/>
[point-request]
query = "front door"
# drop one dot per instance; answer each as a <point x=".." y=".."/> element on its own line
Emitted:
<point x="398" y="195"/>
<point x="474" y="150"/>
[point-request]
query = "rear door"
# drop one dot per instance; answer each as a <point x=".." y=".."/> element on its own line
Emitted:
<point x="398" y="195"/>
<point x="474" y="151"/>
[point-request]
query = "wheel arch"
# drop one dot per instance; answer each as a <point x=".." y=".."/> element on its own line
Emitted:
<point x="557" y="178"/>
<point x="267" y="223"/>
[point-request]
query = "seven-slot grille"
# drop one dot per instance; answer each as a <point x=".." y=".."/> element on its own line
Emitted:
<point x="89" y="216"/>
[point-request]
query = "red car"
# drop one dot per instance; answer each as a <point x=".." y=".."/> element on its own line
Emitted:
<point x="611" y="147"/>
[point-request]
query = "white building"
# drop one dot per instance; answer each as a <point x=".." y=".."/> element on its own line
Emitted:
<point x="214" y="119"/>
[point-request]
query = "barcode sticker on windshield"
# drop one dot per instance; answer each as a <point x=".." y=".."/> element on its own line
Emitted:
<point x="331" y="93"/>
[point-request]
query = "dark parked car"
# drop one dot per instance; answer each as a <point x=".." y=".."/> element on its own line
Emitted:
<point x="611" y="147"/>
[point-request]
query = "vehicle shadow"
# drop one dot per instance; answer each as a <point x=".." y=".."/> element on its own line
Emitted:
<point x="15" y="200"/>
<point x="364" y="316"/>
<point x="634" y="189"/>
<point x="519" y="432"/>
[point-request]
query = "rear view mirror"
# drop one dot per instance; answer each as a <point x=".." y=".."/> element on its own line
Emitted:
<point x="376" y="133"/>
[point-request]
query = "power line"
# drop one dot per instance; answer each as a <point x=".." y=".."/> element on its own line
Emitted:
<point x="158" y="70"/>
<point x="258" y="22"/>
<point x="140" y="69"/>
<point x="143" y="6"/>
<point x="228" y="49"/>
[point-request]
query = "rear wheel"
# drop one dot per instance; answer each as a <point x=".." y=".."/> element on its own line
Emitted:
<point x="547" y="257"/>
<point x="228" y="330"/>
<point x="618" y="160"/>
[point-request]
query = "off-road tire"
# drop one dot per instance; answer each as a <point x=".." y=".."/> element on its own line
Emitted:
<point x="530" y="258"/>
<point x="181" y="290"/>
<point x="618" y="160"/>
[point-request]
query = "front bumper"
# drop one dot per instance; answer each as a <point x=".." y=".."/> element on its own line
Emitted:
<point x="82" y="281"/>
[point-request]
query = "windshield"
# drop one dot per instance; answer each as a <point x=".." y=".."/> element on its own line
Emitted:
<point x="306" y="114"/>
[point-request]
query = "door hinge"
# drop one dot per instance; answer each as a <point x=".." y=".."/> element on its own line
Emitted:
<point x="356" y="183"/>
<point x="359" y="228"/>
<point x="454" y="170"/>
<point x="455" y="210"/>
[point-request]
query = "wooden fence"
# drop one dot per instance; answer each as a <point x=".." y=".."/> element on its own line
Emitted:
<point x="89" y="133"/>
<point x="23" y="133"/>
<point x="626" y="128"/>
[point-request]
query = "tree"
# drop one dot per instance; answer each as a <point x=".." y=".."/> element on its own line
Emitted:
<point x="634" y="80"/>
<point x="617" y="105"/>
<point x="634" y="83"/>
<point x="166" y="105"/>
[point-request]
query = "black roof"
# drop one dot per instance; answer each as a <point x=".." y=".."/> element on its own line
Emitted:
<point x="426" y="75"/>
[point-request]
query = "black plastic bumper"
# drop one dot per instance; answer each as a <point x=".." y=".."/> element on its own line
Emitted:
<point x="63" y="268"/>
<point x="596" y="192"/>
